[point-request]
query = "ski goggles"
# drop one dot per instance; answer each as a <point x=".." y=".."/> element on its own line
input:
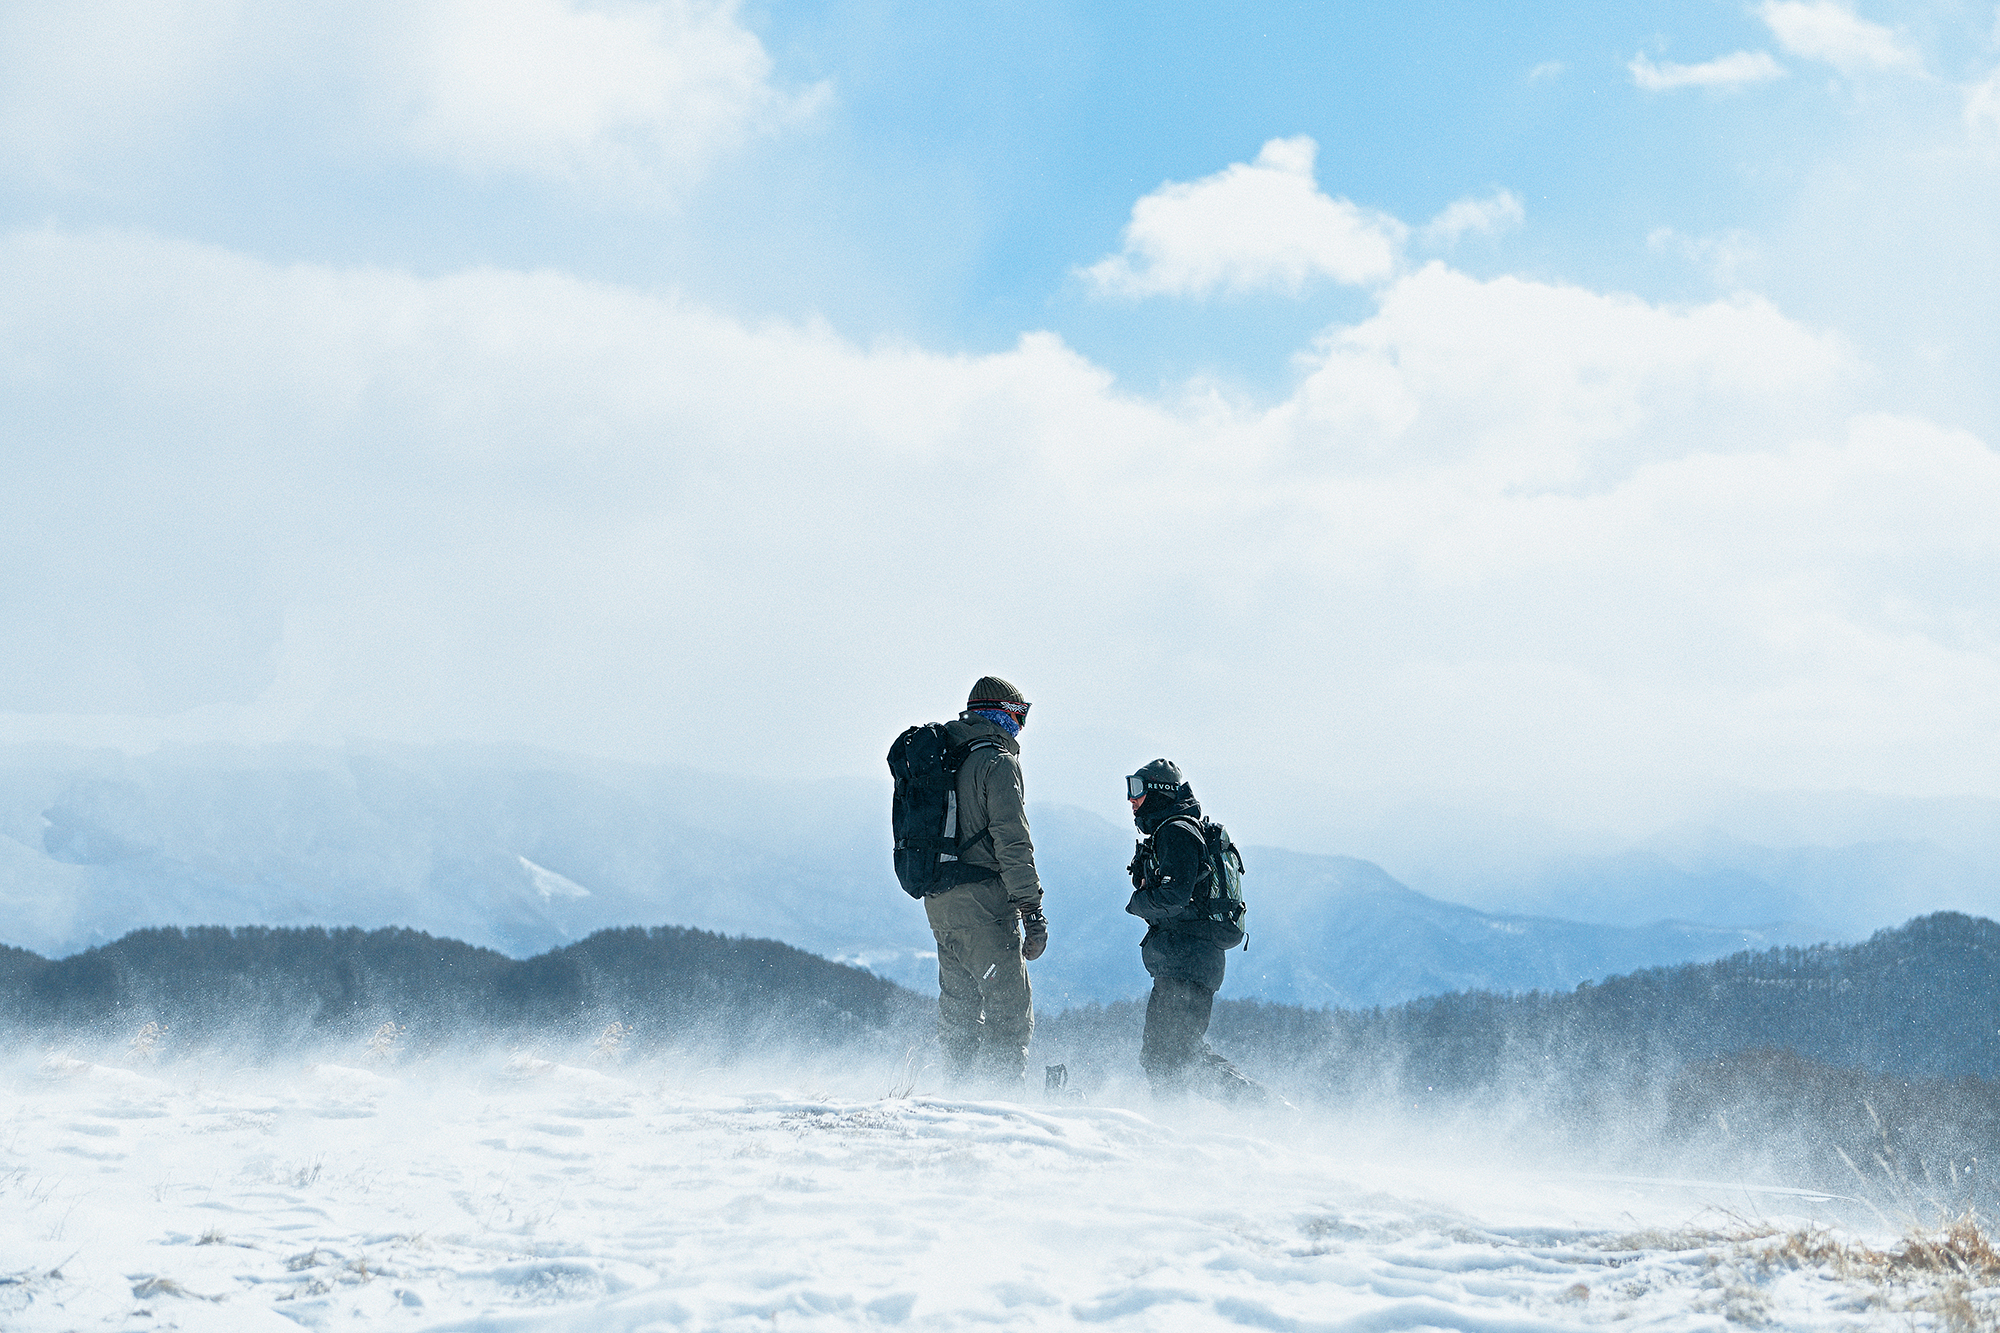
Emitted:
<point x="1135" y="787"/>
<point x="1017" y="711"/>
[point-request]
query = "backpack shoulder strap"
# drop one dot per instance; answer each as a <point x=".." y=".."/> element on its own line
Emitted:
<point x="1188" y="823"/>
<point x="954" y="758"/>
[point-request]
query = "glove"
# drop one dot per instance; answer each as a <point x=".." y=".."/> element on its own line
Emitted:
<point x="1035" y="933"/>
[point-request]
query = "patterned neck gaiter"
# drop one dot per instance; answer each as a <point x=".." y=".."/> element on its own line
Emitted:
<point x="1006" y="720"/>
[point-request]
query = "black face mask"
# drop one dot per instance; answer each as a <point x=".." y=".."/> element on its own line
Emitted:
<point x="1159" y="807"/>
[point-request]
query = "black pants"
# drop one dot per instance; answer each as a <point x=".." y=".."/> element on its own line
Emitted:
<point x="1176" y="1021"/>
<point x="1175" y="1056"/>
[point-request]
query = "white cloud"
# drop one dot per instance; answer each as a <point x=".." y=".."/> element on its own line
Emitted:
<point x="1548" y="69"/>
<point x="1725" y="258"/>
<point x="1730" y="71"/>
<point x="630" y="93"/>
<point x="1831" y="32"/>
<point x="633" y="96"/>
<point x="1263" y="226"/>
<point x="1532" y="536"/>
<point x="1982" y="108"/>
<point x="1530" y="385"/>
<point x="1498" y="212"/>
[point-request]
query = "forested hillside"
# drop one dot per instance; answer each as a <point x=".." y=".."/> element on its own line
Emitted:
<point x="1918" y="1002"/>
<point x="1816" y="1066"/>
<point x="253" y="989"/>
<point x="1922" y="1000"/>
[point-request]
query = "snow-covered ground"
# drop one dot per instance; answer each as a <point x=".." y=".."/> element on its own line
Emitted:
<point x="517" y="1193"/>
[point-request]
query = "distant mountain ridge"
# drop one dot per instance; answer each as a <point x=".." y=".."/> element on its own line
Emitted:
<point x="521" y="852"/>
<point x="1338" y="932"/>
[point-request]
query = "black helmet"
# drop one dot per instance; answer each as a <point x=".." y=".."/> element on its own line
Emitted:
<point x="1162" y="777"/>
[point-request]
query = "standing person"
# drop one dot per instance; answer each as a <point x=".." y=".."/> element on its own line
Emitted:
<point x="985" y="1006"/>
<point x="1192" y="904"/>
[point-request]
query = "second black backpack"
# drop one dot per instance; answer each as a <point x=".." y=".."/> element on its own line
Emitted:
<point x="924" y="818"/>
<point x="1218" y="888"/>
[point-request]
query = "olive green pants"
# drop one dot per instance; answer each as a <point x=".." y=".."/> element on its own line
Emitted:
<point x="986" y="1011"/>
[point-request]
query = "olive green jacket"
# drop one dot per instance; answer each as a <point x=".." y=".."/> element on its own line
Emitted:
<point x="992" y="809"/>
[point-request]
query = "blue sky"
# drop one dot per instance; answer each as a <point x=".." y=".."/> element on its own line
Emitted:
<point x="966" y="159"/>
<point x="1599" y="393"/>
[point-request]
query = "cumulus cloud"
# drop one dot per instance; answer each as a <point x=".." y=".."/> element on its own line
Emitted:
<point x="1730" y="71"/>
<point x="626" y="93"/>
<point x="1498" y="212"/>
<point x="1263" y="226"/>
<point x="1531" y="386"/>
<point x="629" y="95"/>
<point x="1831" y="32"/>
<point x="1530" y="535"/>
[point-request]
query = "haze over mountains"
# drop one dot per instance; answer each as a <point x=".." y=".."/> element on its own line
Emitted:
<point x="1852" y="862"/>
<point x="525" y="851"/>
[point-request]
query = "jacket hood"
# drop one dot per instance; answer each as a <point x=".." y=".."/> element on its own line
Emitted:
<point x="971" y="727"/>
<point x="1156" y="812"/>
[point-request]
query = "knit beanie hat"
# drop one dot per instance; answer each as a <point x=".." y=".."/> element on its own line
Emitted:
<point x="993" y="692"/>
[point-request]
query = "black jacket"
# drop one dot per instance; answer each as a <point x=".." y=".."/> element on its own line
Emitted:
<point x="1177" y="850"/>
<point x="1186" y="949"/>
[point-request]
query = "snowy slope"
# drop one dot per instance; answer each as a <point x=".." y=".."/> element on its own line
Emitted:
<point x="525" y="852"/>
<point x="524" y="1194"/>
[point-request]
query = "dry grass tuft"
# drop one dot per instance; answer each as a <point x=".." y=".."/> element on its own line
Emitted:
<point x="382" y="1046"/>
<point x="145" y="1044"/>
<point x="1956" y="1311"/>
<point x="1934" y="1269"/>
<point x="1814" y="1248"/>
<point x="1690" y="1238"/>
<point x="1960" y="1248"/>
<point x="611" y="1043"/>
<point x="148" y="1288"/>
<point x="1950" y="1269"/>
<point x="905" y="1082"/>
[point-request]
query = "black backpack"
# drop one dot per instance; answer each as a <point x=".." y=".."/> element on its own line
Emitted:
<point x="1218" y="890"/>
<point x="924" y="817"/>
